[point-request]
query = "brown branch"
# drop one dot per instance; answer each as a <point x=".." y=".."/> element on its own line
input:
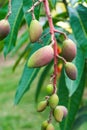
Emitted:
<point x="47" y="9"/>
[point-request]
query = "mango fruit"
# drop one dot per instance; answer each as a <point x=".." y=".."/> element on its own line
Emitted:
<point x="35" y="30"/>
<point x="71" y="70"/>
<point x="64" y="109"/>
<point x="50" y="127"/>
<point x="49" y="89"/>
<point x="53" y="101"/>
<point x="69" y="50"/>
<point x="4" y="28"/>
<point x="41" y="57"/>
<point x="41" y="106"/>
<point x="44" y="125"/>
<point x="58" y="114"/>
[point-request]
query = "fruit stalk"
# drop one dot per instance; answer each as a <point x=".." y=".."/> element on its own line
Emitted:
<point x="9" y="9"/>
<point x="34" y="5"/>
<point x="47" y="9"/>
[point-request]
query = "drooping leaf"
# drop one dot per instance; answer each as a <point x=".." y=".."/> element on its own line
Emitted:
<point x="26" y="50"/>
<point x="82" y="110"/>
<point x="15" y="21"/>
<point x="81" y="117"/>
<point x="41" y="80"/>
<point x="72" y="103"/>
<point x="26" y="81"/>
<point x="20" y="41"/>
<point x="27" y="77"/>
<point x="78" y="23"/>
<point x="79" y="121"/>
<point x="3" y="12"/>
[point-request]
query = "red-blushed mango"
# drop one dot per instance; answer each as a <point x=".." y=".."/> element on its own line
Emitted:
<point x="53" y="101"/>
<point x="41" y="106"/>
<point x="64" y="109"/>
<point x="4" y="28"/>
<point x="44" y="125"/>
<point x="35" y="30"/>
<point x="41" y="57"/>
<point x="50" y="127"/>
<point x="58" y="114"/>
<point x="69" y="50"/>
<point x="71" y="70"/>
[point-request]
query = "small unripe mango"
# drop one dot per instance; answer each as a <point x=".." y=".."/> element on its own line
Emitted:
<point x="50" y="127"/>
<point x="41" y="57"/>
<point x="35" y="30"/>
<point x="71" y="70"/>
<point x="69" y="50"/>
<point x="44" y="125"/>
<point x="58" y="114"/>
<point x="64" y="109"/>
<point x="4" y="28"/>
<point x="53" y="101"/>
<point x="49" y="89"/>
<point x="41" y="106"/>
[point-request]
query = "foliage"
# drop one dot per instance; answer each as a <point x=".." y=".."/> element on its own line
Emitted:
<point x="70" y="92"/>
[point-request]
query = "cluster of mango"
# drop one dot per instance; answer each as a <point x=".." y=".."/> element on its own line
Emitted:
<point x="58" y="111"/>
<point x="45" y="54"/>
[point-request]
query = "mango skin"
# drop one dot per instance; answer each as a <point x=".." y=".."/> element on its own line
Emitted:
<point x="35" y="30"/>
<point x="64" y="109"/>
<point x="41" y="106"/>
<point x="58" y="114"/>
<point x="53" y="101"/>
<point x="71" y="70"/>
<point x="4" y="28"/>
<point x="41" y="57"/>
<point x="44" y="125"/>
<point x="50" y="127"/>
<point x="69" y="50"/>
<point x="49" y="89"/>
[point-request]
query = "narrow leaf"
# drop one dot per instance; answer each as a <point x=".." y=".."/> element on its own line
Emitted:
<point x="79" y="121"/>
<point x="41" y="80"/>
<point x="20" y="41"/>
<point x="79" y="25"/>
<point x="71" y="103"/>
<point x="15" y="21"/>
<point x="27" y="77"/>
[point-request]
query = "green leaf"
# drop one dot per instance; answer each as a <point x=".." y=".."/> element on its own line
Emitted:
<point x="25" y="51"/>
<point x="79" y="25"/>
<point x="79" y="121"/>
<point x="27" y="77"/>
<point x="20" y="42"/>
<point x="79" y="61"/>
<point x="72" y="103"/>
<point x="15" y="21"/>
<point x="41" y="80"/>
<point x="3" y="12"/>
